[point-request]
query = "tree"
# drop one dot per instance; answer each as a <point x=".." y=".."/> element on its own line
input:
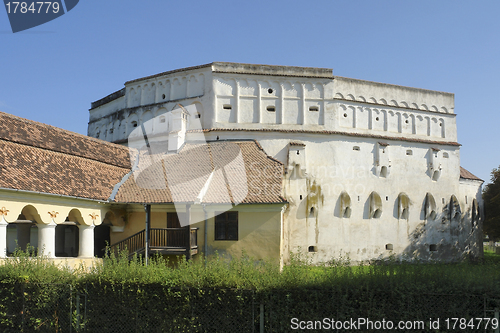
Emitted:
<point x="491" y="197"/>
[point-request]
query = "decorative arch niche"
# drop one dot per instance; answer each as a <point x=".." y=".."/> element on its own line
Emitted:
<point x="430" y="211"/>
<point x="454" y="209"/>
<point x="345" y="205"/>
<point x="375" y="205"/>
<point x="403" y="206"/>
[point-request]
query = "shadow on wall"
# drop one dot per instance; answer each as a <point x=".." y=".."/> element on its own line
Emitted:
<point x="447" y="236"/>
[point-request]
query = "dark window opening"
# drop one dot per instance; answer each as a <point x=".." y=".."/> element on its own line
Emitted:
<point x="312" y="249"/>
<point x="313" y="108"/>
<point x="270" y="90"/>
<point x="67" y="240"/>
<point x="389" y="247"/>
<point x="227" y="107"/>
<point x="271" y="108"/>
<point x="433" y="247"/>
<point x="226" y="226"/>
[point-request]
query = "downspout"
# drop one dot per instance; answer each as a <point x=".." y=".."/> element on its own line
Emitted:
<point x="188" y="230"/>
<point x="147" y="208"/>
<point x="205" y="238"/>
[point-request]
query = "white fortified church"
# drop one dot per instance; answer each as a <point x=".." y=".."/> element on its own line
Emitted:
<point x="368" y="169"/>
<point x="233" y="158"/>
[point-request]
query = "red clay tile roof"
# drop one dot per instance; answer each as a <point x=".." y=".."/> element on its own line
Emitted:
<point x="42" y="158"/>
<point x="32" y="133"/>
<point x="467" y="175"/>
<point x="36" y="169"/>
<point x="221" y="171"/>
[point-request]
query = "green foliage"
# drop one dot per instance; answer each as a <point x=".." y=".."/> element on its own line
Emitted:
<point x="175" y="295"/>
<point x="491" y="197"/>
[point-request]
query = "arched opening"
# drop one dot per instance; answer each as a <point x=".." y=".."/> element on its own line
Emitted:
<point x="383" y="172"/>
<point x="430" y="207"/>
<point x="454" y="209"/>
<point x="23" y="233"/>
<point x="101" y="239"/>
<point x="345" y="205"/>
<point x="403" y="206"/>
<point x="375" y="205"/>
<point x="475" y="214"/>
<point x="67" y="238"/>
<point x="311" y="212"/>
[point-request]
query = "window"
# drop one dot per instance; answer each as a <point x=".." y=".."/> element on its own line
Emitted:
<point x="409" y="152"/>
<point x="226" y="226"/>
<point x="134" y="124"/>
<point x="313" y="108"/>
<point x="271" y="108"/>
<point x="355" y="148"/>
<point x="227" y="107"/>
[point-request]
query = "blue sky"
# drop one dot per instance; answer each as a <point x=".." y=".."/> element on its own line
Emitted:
<point x="52" y="73"/>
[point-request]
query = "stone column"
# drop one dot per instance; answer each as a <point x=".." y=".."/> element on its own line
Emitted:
<point x="86" y="249"/>
<point x="3" y="238"/>
<point x="47" y="239"/>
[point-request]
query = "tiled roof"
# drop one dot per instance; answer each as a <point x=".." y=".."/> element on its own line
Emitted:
<point x="32" y="133"/>
<point x="29" y="168"/>
<point x="42" y="158"/>
<point x="467" y="175"/>
<point x="215" y="172"/>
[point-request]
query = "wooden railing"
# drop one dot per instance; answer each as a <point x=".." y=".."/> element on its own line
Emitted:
<point x="159" y="238"/>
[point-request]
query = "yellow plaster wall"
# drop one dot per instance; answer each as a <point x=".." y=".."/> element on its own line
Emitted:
<point x="39" y="207"/>
<point x="259" y="236"/>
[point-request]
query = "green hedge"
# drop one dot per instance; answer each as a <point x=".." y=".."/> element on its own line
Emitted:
<point x="222" y="295"/>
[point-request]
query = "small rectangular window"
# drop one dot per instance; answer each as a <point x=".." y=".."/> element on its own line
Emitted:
<point x="226" y="226"/>
<point x="409" y="152"/>
<point x="355" y="148"/>
<point x="313" y="108"/>
<point x="271" y="108"/>
<point x="227" y="107"/>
